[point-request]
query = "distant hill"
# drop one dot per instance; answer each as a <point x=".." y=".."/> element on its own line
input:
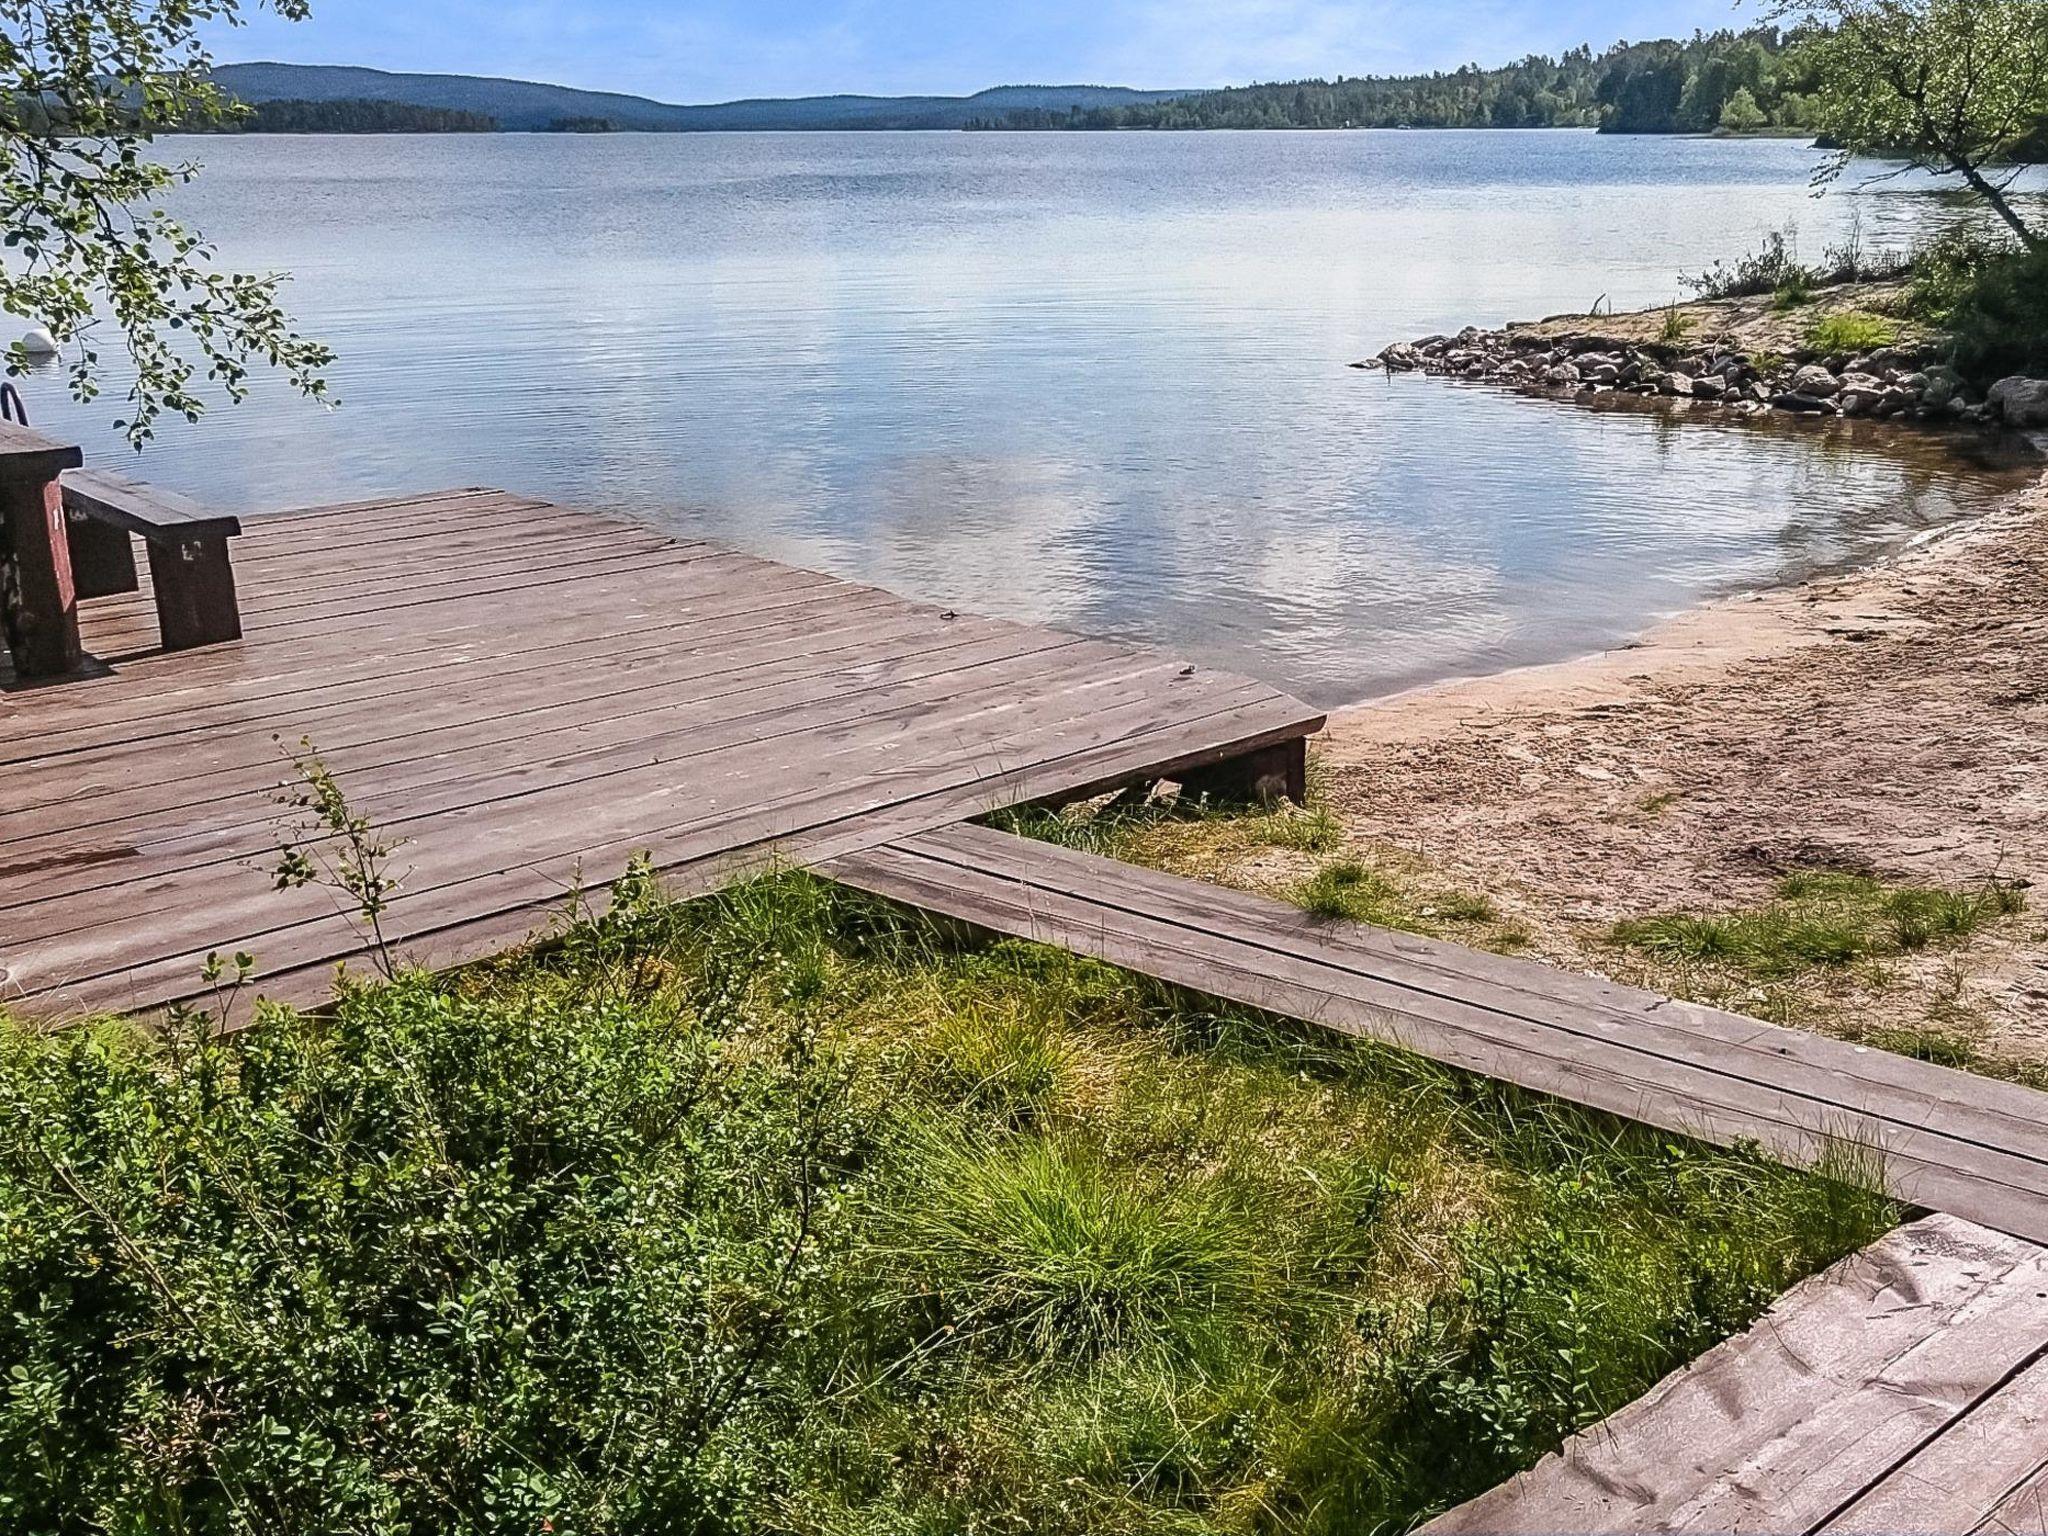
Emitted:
<point x="528" y="106"/>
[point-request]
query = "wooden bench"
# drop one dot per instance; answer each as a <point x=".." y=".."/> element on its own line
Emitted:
<point x="189" y="569"/>
<point x="66" y="533"/>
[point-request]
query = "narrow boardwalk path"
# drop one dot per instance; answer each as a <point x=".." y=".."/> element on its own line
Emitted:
<point x="1902" y="1393"/>
<point x="1943" y="1139"/>
<point x="528" y="695"/>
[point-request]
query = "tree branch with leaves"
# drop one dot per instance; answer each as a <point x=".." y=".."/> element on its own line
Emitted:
<point x="85" y="88"/>
<point x="1951" y="86"/>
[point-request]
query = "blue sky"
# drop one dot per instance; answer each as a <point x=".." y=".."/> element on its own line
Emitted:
<point x="710" y="50"/>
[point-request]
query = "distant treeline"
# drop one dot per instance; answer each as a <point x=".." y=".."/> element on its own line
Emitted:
<point x="353" y="117"/>
<point x="1741" y="82"/>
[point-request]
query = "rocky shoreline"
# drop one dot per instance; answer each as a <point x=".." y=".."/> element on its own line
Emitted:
<point x="1906" y="380"/>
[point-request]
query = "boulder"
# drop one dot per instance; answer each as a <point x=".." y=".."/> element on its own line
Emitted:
<point x="2020" y="401"/>
<point x="1401" y="357"/>
<point x="1560" y="373"/>
<point x="1709" y="386"/>
<point x="1815" y="382"/>
<point x="1675" y="384"/>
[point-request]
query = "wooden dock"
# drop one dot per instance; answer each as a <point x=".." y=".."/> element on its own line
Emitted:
<point x="528" y="696"/>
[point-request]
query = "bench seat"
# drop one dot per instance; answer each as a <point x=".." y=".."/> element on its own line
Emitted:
<point x="190" y="573"/>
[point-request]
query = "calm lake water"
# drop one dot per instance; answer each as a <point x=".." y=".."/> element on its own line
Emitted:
<point x="1096" y="381"/>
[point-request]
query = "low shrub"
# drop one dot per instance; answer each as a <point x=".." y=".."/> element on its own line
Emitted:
<point x="1990" y="296"/>
<point x="1774" y="267"/>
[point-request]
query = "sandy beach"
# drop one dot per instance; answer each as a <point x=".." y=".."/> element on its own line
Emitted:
<point x="1890" y="721"/>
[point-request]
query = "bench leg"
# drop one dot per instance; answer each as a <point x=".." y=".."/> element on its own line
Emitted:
<point x="1265" y="774"/>
<point x="102" y="559"/>
<point x="195" y="592"/>
<point x="39" y="607"/>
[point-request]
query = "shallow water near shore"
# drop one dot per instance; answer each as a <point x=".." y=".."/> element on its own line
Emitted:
<point x="1096" y="381"/>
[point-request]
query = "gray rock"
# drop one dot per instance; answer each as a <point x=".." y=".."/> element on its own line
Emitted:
<point x="1709" y="386"/>
<point x="2020" y="401"/>
<point x="1815" y="382"/>
<point x="1805" y="405"/>
<point x="1601" y="373"/>
<point x="1560" y="373"/>
<point x="1675" y="384"/>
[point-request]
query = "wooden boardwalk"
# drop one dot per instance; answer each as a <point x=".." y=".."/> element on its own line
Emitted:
<point x="1942" y="1139"/>
<point x="1902" y="1393"/>
<point x="528" y="695"/>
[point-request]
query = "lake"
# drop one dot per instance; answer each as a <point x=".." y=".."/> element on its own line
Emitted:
<point x="1094" y="381"/>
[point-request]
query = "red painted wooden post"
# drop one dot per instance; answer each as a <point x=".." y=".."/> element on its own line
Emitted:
<point x="39" y="608"/>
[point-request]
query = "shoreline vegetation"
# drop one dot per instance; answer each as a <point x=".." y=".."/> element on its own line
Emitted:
<point x="1949" y="336"/>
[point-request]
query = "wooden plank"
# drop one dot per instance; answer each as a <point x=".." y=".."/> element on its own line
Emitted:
<point x="1850" y="1375"/>
<point x="2024" y="1512"/>
<point x="1855" y="1077"/>
<point x="39" y="599"/>
<point x="128" y="792"/>
<point x="27" y="455"/>
<point x="1986" y="1471"/>
<point x="221" y="688"/>
<point x="548" y="811"/>
<point x="336" y="650"/>
<point x="452" y="777"/>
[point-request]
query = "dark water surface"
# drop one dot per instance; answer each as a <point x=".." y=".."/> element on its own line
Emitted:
<point x="1096" y="381"/>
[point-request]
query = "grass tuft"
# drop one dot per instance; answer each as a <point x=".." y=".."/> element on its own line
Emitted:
<point x="1852" y="330"/>
<point x="1821" y="919"/>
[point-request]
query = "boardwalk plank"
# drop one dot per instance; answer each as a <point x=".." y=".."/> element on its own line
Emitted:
<point x="1927" y="1162"/>
<point x="1986" y="1471"/>
<point x="1855" y="1078"/>
<point x="1850" y="1375"/>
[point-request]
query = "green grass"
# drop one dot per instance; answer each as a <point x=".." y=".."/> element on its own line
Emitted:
<point x="1162" y="831"/>
<point x="1676" y="326"/>
<point x="1945" y="1048"/>
<point x="781" y="1212"/>
<point x="1795" y="291"/>
<point x="1347" y="890"/>
<point x="1821" y="920"/>
<point x="1851" y="330"/>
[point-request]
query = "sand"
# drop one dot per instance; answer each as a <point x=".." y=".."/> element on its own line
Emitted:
<point x="1893" y="720"/>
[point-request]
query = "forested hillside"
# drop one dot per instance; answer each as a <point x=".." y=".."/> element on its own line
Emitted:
<point x="1734" y="81"/>
<point x="357" y="117"/>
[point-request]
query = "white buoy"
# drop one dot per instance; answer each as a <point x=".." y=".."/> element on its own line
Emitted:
<point x="39" y="343"/>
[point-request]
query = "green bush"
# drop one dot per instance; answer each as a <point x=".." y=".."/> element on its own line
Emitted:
<point x="1991" y="298"/>
<point x="776" y="1212"/>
